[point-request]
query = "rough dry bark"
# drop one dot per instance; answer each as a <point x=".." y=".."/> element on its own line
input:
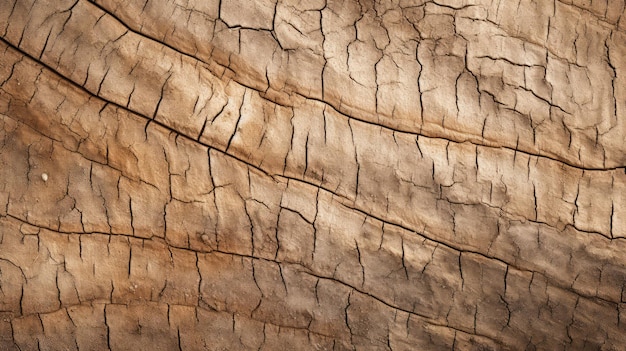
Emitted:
<point x="394" y="174"/>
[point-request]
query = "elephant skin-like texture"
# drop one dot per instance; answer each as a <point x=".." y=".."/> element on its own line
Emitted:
<point x="318" y="174"/>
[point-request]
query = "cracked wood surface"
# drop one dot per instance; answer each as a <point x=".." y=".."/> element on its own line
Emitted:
<point x="316" y="174"/>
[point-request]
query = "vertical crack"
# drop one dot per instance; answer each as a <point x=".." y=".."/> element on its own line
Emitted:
<point x="45" y="45"/>
<point x="238" y="120"/>
<point x="419" y="86"/>
<point x="245" y="208"/>
<point x="180" y="346"/>
<point x="282" y="277"/>
<point x="356" y="159"/>
<point x="348" y="319"/>
<point x="417" y="143"/>
<point x="156" y="109"/>
<point x="132" y="218"/>
<point x="108" y="328"/>
<point x="276" y="237"/>
<point x="358" y="253"/>
<point x="199" y="280"/>
<point x="306" y="154"/>
<point x="317" y="296"/>
<point x="611" y="219"/>
<point x="535" y="201"/>
<point x="506" y="275"/>
<point x="475" y="317"/>
<point x="508" y="310"/>
<point x="315" y="224"/>
<point x="102" y="81"/>
<point x="461" y="271"/>
<point x="258" y="287"/>
<point x="130" y="260"/>
<point x="406" y="271"/>
<point x="613" y="74"/>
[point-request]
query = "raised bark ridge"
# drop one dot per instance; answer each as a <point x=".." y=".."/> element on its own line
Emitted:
<point x="312" y="174"/>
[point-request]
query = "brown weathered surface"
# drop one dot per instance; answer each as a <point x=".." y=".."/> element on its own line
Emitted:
<point x="322" y="174"/>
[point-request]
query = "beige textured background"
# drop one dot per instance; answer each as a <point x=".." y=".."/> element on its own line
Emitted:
<point x="322" y="174"/>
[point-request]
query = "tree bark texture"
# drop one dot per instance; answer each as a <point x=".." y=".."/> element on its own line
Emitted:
<point x="320" y="174"/>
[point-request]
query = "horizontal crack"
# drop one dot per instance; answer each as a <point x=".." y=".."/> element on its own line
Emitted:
<point x="461" y="250"/>
<point x="273" y="176"/>
<point x="225" y="152"/>
<point x="448" y="245"/>
<point x="597" y="16"/>
<point x="95" y="302"/>
<point x="304" y="269"/>
<point x="408" y="131"/>
<point x="426" y="319"/>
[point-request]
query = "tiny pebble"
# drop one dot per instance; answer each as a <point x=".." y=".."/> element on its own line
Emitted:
<point x="205" y="238"/>
<point x="44" y="176"/>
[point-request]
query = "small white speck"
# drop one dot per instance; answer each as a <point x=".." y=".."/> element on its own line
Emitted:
<point x="44" y="176"/>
